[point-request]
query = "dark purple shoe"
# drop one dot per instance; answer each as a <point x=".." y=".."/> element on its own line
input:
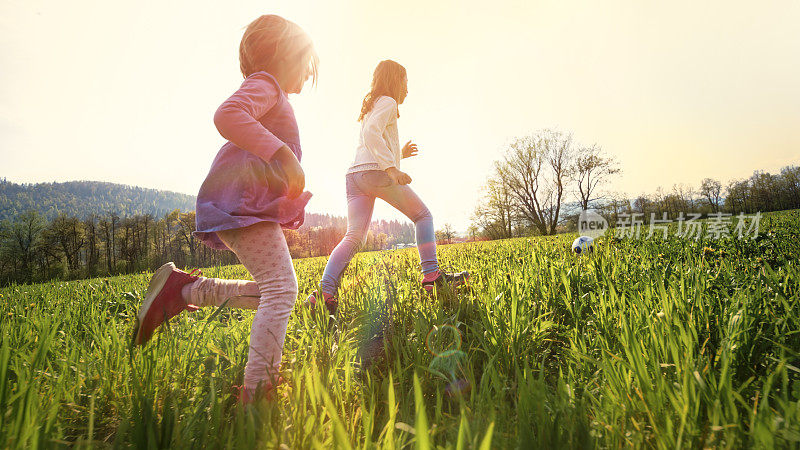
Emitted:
<point x="331" y="302"/>
<point x="439" y="279"/>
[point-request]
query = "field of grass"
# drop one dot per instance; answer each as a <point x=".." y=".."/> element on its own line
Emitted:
<point x="647" y="343"/>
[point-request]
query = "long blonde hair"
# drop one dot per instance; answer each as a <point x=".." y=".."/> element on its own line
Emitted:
<point x="269" y="40"/>
<point x="386" y="80"/>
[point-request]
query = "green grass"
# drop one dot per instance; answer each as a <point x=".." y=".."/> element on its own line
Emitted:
<point x="650" y="343"/>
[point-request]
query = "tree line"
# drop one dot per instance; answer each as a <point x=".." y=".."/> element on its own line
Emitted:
<point x="34" y="249"/>
<point x="543" y="181"/>
<point x="83" y="198"/>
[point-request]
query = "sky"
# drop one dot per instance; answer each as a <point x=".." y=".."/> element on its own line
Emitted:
<point x="676" y="91"/>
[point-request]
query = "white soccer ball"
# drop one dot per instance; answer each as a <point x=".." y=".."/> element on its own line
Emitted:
<point x="583" y="244"/>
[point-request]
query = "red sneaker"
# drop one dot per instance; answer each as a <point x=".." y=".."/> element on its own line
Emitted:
<point x="162" y="301"/>
<point x="439" y="278"/>
<point x="331" y="302"/>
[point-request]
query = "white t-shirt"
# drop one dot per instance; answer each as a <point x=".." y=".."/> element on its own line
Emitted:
<point x="379" y="144"/>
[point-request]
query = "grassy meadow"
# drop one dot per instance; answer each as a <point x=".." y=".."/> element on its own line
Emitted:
<point x="649" y="343"/>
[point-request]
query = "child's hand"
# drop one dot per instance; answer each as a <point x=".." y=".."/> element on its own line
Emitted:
<point x="295" y="177"/>
<point x="398" y="176"/>
<point x="409" y="150"/>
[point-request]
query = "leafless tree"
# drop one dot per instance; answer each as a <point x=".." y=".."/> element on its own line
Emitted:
<point x="472" y="232"/>
<point x="20" y="241"/>
<point x="683" y="198"/>
<point x="494" y="214"/>
<point x="642" y="204"/>
<point x="91" y="250"/>
<point x="736" y="199"/>
<point x="448" y="233"/>
<point x="592" y="169"/>
<point x="791" y="177"/>
<point x="66" y="233"/>
<point x="535" y="169"/>
<point x="184" y="225"/>
<point x="711" y="190"/>
<point x="617" y="205"/>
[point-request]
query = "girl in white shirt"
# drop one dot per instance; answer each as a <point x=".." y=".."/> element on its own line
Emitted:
<point x="375" y="173"/>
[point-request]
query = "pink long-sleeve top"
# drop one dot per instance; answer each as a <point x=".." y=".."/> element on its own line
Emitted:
<point x="243" y="187"/>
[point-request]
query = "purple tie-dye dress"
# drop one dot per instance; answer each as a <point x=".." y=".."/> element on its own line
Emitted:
<point x="242" y="187"/>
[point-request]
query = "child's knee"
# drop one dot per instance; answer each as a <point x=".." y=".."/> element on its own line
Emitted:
<point x="288" y="288"/>
<point x="281" y="290"/>
<point x="291" y="288"/>
<point x="423" y="215"/>
<point x="355" y="237"/>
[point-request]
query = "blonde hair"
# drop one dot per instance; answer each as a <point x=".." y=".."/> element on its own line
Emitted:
<point x="271" y="39"/>
<point x="386" y="80"/>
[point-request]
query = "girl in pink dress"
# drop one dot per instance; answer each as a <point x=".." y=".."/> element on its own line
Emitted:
<point x="254" y="188"/>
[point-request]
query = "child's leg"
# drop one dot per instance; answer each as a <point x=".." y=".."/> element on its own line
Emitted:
<point x="262" y="250"/>
<point x="407" y="202"/>
<point x="215" y="291"/>
<point x="204" y="291"/>
<point x="359" y="214"/>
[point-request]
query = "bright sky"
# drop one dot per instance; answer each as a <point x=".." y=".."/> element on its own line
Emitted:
<point x="677" y="91"/>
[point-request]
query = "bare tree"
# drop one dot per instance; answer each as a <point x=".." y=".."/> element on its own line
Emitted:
<point x="472" y="232"/>
<point x="736" y="198"/>
<point x="448" y="233"/>
<point x="186" y="226"/>
<point x="445" y="235"/>
<point x="791" y="181"/>
<point x="20" y="241"/>
<point x="494" y="214"/>
<point x="711" y="189"/>
<point x="680" y="199"/>
<point x="106" y="235"/>
<point x="534" y="169"/>
<point x="560" y="155"/>
<point x="642" y="204"/>
<point x="92" y="253"/>
<point x="592" y="169"/>
<point x="618" y="204"/>
<point x="66" y="233"/>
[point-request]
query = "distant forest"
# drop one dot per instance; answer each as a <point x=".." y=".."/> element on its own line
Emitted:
<point x="130" y="229"/>
<point x="83" y="198"/>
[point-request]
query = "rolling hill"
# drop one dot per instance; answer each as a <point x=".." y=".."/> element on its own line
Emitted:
<point x="83" y="198"/>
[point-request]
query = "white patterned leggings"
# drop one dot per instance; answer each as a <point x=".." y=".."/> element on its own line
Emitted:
<point x="262" y="250"/>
